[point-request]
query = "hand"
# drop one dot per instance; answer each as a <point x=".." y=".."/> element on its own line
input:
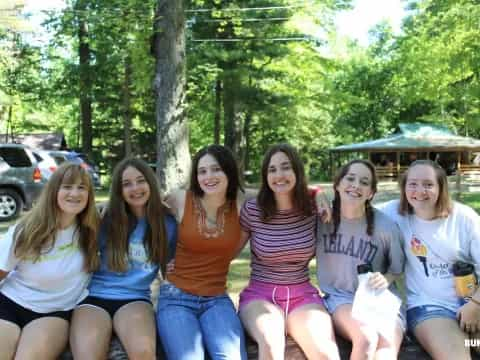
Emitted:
<point x="170" y="266"/>
<point x="323" y="207"/>
<point x="378" y="281"/>
<point x="469" y="317"/>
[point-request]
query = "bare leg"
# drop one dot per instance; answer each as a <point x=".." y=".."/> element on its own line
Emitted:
<point x="442" y="339"/>
<point x="90" y="333"/>
<point x="265" y="324"/>
<point x="311" y="327"/>
<point x="134" y="324"/>
<point x="43" y="338"/>
<point x="388" y="348"/>
<point x="364" y="338"/>
<point x="9" y="339"/>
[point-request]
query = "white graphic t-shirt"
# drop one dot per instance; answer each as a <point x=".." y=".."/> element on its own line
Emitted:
<point x="55" y="282"/>
<point x="431" y="248"/>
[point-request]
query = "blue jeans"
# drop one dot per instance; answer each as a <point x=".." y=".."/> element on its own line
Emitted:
<point x="188" y="324"/>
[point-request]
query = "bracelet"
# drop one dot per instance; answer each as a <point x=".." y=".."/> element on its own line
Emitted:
<point x="475" y="301"/>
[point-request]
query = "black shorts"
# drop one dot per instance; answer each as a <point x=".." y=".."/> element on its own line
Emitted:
<point x="14" y="313"/>
<point x="109" y="305"/>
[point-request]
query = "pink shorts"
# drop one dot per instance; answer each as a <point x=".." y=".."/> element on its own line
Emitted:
<point x="287" y="297"/>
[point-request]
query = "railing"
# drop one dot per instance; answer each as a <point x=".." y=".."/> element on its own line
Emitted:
<point x="470" y="169"/>
<point x="388" y="171"/>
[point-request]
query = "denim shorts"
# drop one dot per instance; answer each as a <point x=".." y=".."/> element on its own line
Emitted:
<point x="418" y="314"/>
<point x="333" y="300"/>
<point x="287" y="297"/>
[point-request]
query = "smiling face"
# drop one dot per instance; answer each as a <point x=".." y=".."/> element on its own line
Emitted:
<point x="135" y="190"/>
<point x="422" y="190"/>
<point x="281" y="178"/>
<point x="72" y="198"/>
<point x="210" y="176"/>
<point x="355" y="188"/>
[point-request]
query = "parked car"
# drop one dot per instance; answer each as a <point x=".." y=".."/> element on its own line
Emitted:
<point x="21" y="180"/>
<point x="59" y="156"/>
<point x="46" y="163"/>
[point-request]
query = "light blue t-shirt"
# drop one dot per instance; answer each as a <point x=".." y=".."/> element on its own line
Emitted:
<point x="135" y="282"/>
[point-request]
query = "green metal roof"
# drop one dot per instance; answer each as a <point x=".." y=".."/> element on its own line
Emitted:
<point x="416" y="137"/>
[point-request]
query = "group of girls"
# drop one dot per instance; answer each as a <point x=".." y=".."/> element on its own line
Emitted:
<point x="72" y="275"/>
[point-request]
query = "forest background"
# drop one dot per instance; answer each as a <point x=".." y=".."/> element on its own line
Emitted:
<point x="162" y="78"/>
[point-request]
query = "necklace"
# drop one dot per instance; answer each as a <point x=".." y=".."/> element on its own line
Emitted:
<point x="208" y="227"/>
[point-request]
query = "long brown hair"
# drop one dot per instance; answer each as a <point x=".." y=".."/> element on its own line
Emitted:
<point x="336" y="206"/>
<point x="443" y="207"/>
<point x="302" y="201"/>
<point x="35" y="233"/>
<point x="119" y="220"/>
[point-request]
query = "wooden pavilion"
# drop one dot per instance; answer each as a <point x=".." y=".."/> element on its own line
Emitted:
<point x="411" y="141"/>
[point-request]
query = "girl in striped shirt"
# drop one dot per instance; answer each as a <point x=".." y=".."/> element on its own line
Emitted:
<point x="279" y="298"/>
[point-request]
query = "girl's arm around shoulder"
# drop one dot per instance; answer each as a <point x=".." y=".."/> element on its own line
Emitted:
<point x="175" y="202"/>
<point x="389" y="208"/>
<point x="244" y="236"/>
<point x="241" y="197"/>
<point x="171" y="230"/>
<point x="466" y="222"/>
<point x="390" y="233"/>
<point x="322" y="203"/>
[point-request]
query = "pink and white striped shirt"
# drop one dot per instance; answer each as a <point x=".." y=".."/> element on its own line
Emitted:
<point x="280" y="248"/>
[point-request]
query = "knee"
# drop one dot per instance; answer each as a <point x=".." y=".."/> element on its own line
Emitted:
<point x="271" y="347"/>
<point x="142" y="349"/>
<point x="366" y="342"/>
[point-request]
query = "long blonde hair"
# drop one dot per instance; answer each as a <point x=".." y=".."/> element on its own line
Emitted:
<point x="35" y="232"/>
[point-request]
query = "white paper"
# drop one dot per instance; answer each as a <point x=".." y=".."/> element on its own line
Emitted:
<point x="376" y="308"/>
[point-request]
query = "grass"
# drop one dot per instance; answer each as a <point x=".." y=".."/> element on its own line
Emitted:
<point x="472" y="200"/>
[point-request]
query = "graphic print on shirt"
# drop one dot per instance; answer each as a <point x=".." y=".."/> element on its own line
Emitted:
<point x="138" y="257"/>
<point x="436" y="266"/>
<point x="420" y="251"/>
<point x="61" y="252"/>
<point x="362" y="249"/>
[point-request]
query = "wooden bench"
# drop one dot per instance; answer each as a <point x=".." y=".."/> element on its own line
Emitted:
<point x="410" y="350"/>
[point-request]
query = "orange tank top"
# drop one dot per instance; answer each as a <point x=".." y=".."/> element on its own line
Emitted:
<point x="203" y="255"/>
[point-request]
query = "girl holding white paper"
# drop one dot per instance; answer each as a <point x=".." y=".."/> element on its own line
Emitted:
<point x="438" y="232"/>
<point x="359" y="235"/>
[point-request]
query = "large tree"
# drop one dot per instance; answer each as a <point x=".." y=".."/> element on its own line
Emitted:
<point x="173" y="157"/>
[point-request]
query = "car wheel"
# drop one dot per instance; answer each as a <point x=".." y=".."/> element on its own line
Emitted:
<point x="11" y="204"/>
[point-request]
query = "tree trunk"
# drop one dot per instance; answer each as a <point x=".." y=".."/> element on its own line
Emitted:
<point x="218" y="111"/>
<point x="9" y="124"/>
<point x="233" y="117"/>
<point x="127" y="113"/>
<point x="173" y="157"/>
<point x="85" y="78"/>
<point x="246" y="135"/>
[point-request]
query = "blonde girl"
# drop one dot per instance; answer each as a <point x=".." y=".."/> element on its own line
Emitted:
<point x="45" y="261"/>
